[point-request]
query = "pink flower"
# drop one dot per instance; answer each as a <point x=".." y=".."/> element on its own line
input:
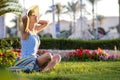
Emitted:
<point x="86" y="51"/>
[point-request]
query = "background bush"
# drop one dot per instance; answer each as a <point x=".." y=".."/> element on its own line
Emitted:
<point x="63" y="44"/>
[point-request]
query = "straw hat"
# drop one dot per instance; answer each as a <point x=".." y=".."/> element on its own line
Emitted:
<point x="35" y="8"/>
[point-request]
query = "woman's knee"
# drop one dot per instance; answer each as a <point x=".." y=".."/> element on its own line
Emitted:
<point x="45" y="58"/>
<point x="48" y="55"/>
<point x="57" y="57"/>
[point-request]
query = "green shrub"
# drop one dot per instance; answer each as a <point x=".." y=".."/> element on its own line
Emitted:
<point x="63" y="44"/>
<point x="8" y="43"/>
<point x="7" y="57"/>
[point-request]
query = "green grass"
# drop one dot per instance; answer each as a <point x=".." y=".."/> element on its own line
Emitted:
<point x="78" y="71"/>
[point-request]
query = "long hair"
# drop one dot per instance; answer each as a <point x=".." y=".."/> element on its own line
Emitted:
<point x="34" y="9"/>
<point x="25" y="21"/>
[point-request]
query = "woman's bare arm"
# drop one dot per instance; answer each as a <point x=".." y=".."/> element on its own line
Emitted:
<point x="41" y="25"/>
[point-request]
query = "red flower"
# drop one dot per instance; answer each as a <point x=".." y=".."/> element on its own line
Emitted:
<point x="18" y="51"/>
<point x="71" y="54"/>
<point x="19" y="54"/>
<point x="86" y="51"/>
<point x="79" y="51"/>
<point x="1" y="54"/>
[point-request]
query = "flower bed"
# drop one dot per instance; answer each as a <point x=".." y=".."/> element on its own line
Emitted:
<point x="90" y="55"/>
<point x="85" y="54"/>
<point x="8" y="57"/>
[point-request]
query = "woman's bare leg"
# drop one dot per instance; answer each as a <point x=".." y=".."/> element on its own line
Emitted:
<point x="45" y="58"/>
<point x="55" y="59"/>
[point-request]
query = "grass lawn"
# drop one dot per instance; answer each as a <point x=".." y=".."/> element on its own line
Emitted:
<point x="109" y="70"/>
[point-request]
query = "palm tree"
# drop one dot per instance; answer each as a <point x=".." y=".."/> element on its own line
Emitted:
<point x="58" y="10"/>
<point x="93" y="2"/>
<point x="73" y="8"/>
<point x="7" y="6"/>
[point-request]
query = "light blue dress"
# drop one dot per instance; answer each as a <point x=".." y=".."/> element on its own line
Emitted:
<point x="30" y="46"/>
<point x="27" y="63"/>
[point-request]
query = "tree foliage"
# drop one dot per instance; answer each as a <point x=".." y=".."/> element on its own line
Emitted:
<point x="10" y="6"/>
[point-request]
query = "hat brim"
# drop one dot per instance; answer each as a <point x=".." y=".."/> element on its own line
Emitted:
<point x="35" y="8"/>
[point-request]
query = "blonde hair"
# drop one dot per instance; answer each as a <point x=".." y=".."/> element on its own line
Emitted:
<point x="34" y="9"/>
<point x="30" y="12"/>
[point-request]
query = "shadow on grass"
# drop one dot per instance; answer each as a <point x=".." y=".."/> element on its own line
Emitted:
<point x="51" y="78"/>
<point x="62" y="78"/>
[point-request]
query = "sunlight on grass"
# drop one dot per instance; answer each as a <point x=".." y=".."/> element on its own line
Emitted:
<point x="78" y="71"/>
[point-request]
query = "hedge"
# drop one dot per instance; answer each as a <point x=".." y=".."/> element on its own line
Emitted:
<point x="64" y="44"/>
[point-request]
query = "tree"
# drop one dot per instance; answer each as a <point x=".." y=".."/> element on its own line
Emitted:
<point x="7" y="6"/>
<point x="58" y="9"/>
<point x="73" y="8"/>
<point x="93" y="2"/>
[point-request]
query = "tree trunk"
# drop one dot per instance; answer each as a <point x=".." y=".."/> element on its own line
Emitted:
<point x="74" y="24"/>
<point x="93" y="23"/>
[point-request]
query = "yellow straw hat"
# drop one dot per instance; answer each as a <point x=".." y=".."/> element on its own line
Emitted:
<point x="35" y="8"/>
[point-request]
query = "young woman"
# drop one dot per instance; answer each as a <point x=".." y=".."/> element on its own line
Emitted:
<point x="30" y="42"/>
